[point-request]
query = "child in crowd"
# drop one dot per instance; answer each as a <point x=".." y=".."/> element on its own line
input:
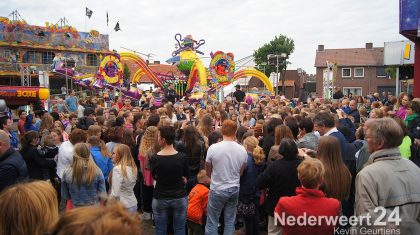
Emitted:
<point x="48" y="151"/>
<point x="197" y="205"/>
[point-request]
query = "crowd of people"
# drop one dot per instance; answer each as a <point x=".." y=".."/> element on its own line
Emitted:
<point x="209" y="167"/>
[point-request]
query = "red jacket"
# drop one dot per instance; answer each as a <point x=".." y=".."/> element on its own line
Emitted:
<point x="314" y="203"/>
<point x="197" y="203"/>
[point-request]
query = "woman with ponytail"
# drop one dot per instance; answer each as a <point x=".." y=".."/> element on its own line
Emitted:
<point x="83" y="181"/>
<point x="101" y="156"/>
<point x="248" y="193"/>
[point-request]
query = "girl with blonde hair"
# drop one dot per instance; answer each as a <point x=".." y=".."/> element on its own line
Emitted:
<point x="83" y="181"/>
<point x="100" y="156"/>
<point x="148" y="147"/>
<point x="28" y="208"/>
<point x="248" y="193"/>
<point x="124" y="177"/>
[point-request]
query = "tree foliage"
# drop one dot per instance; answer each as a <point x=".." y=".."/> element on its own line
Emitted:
<point x="280" y="44"/>
<point x="126" y="72"/>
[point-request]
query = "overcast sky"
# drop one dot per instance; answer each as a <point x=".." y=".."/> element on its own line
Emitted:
<point x="238" y="26"/>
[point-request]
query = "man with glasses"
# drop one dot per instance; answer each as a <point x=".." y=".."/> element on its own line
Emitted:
<point x="231" y="111"/>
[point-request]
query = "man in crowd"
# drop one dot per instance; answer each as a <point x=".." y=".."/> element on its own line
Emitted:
<point x="6" y="124"/>
<point x="73" y="120"/>
<point x="127" y="104"/>
<point x="87" y="120"/>
<point x="170" y="93"/>
<point x="12" y="166"/>
<point x="354" y="112"/>
<point x="225" y="163"/>
<point x="388" y="180"/>
<point x="21" y="122"/>
<point x="71" y="102"/>
<point x="238" y="95"/>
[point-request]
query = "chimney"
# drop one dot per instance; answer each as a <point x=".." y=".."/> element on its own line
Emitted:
<point x="156" y="62"/>
<point x="369" y="45"/>
<point x="320" y="47"/>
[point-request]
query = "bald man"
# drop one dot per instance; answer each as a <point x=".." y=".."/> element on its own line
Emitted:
<point x="12" y="166"/>
<point x="354" y="112"/>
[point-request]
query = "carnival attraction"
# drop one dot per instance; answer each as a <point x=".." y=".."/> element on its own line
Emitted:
<point x="21" y="95"/>
<point x="194" y="78"/>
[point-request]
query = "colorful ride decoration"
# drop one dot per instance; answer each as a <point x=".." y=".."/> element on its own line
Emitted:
<point x="111" y="70"/>
<point x="188" y="62"/>
<point x="257" y="74"/>
<point x="222" y="67"/>
<point x="21" y="95"/>
<point x="50" y="36"/>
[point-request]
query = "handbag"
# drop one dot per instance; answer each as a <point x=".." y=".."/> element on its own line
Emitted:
<point x="246" y="208"/>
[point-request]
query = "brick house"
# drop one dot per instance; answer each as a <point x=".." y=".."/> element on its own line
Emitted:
<point x="293" y="82"/>
<point x="360" y="71"/>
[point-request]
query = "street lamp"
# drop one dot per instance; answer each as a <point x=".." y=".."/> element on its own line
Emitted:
<point x="283" y="57"/>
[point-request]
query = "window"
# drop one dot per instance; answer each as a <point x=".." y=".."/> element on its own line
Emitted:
<point x="359" y="72"/>
<point x="346" y="72"/>
<point x="48" y="57"/>
<point x="380" y="72"/>
<point x="30" y="57"/>
<point x="6" y="54"/>
<point x="355" y="91"/>
<point x="92" y="60"/>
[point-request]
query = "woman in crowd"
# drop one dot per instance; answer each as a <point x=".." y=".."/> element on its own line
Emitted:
<point x="308" y="201"/>
<point x="193" y="148"/>
<point x="124" y="177"/>
<point x="281" y="132"/>
<point x="65" y="151"/>
<point x="47" y="124"/>
<point x="405" y="147"/>
<point x="100" y="155"/>
<point x="28" y="208"/>
<point x="94" y="130"/>
<point x="338" y="179"/>
<point x="83" y="181"/>
<point x="281" y="179"/>
<point x="241" y="113"/>
<point x="307" y="138"/>
<point x="248" y="193"/>
<point x="148" y="147"/>
<point x="400" y="108"/>
<point x="248" y="121"/>
<point x="59" y="125"/>
<point x="115" y="135"/>
<point x="57" y="136"/>
<point x="413" y="120"/>
<point x="170" y="170"/>
<point x="35" y="163"/>
<point x="108" y="220"/>
<point x="205" y="126"/>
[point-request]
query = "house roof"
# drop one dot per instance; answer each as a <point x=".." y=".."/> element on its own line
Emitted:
<point x="351" y="57"/>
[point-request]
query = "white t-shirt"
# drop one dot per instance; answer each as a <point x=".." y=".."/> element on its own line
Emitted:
<point x="227" y="158"/>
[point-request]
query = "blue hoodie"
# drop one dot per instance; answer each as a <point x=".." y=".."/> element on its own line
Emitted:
<point x="104" y="163"/>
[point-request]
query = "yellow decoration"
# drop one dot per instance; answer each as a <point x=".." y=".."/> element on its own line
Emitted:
<point x="43" y="93"/>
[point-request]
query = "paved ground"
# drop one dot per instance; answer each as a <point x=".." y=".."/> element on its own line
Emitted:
<point x="147" y="229"/>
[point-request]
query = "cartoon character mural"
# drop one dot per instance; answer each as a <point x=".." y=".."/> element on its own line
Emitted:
<point x="222" y="67"/>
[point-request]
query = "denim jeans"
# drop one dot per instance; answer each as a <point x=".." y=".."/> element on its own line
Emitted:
<point x="226" y="199"/>
<point x="161" y="209"/>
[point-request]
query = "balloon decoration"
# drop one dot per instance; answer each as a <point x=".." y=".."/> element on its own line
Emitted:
<point x="222" y="67"/>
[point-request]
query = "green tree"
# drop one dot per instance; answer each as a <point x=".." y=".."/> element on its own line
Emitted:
<point x="126" y="72"/>
<point x="280" y="44"/>
<point x="391" y="71"/>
